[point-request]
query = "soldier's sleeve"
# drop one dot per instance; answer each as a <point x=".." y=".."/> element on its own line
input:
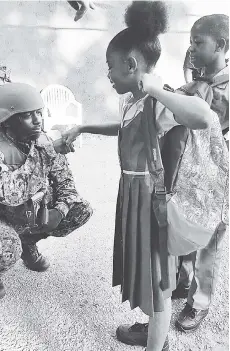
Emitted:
<point x="64" y="190"/>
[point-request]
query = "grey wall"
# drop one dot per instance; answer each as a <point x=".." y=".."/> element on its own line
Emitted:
<point x="42" y="44"/>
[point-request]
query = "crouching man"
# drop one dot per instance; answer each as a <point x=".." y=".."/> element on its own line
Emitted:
<point x="38" y="197"/>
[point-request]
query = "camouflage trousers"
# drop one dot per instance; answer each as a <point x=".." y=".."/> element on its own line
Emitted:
<point x="12" y="236"/>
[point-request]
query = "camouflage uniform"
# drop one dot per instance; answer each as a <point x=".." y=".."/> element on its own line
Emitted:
<point x="22" y="176"/>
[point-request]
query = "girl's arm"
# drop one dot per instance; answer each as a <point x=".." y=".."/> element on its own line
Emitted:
<point x="110" y="129"/>
<point x="190" y="111"/>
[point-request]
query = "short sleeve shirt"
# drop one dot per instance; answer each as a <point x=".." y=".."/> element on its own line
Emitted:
<point x="128" y="111"/>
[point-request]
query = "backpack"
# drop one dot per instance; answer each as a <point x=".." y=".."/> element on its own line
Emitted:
<point x="164" y="160"/>
<point x="174" y="142"/>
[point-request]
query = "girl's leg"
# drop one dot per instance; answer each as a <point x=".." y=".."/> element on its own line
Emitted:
<point x="158" y="328"/>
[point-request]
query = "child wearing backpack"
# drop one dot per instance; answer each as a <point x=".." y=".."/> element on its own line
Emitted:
<point x="141" y="265"/>
<point x="209" y="44"/>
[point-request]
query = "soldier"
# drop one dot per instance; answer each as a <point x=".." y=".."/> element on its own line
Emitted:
<point x="38" y="197"/>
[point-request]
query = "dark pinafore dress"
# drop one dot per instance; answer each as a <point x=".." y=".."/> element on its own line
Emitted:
<point x="136" y="261"/>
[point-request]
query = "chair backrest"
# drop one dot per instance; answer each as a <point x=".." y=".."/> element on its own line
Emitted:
<point x="57" y="98"/>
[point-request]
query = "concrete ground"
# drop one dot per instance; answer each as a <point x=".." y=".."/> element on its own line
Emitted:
<point x="72" y="306"/>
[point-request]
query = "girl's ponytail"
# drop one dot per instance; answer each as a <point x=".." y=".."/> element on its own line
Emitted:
<point x="147" y="18"/>
<point x="145" y="21"/>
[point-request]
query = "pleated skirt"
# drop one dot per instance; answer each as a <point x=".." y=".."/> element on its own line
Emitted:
<point x="136" y="259"/>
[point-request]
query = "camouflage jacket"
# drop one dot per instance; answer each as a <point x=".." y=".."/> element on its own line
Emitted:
<point x="22" y="176"/>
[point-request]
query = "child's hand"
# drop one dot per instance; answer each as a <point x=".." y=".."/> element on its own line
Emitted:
<point x="71" y="135"/>
<point x="68" y="135"/>
<point x="150" y="83"/>
<point x="61" y="147"/>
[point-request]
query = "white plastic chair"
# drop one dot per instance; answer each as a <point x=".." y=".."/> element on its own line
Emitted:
<point x="57" y="98"/>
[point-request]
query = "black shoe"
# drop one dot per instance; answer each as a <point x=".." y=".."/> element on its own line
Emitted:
<point x="181" y="292"/>
<point x="2" y="290"/>
<point x="136" y="334"/>
<point x="33" y="259"/>
<point x="190" y="318"/>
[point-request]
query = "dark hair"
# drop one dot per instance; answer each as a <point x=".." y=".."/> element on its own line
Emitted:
<point x="145" y="21"/>
<point x="217" y="26"/>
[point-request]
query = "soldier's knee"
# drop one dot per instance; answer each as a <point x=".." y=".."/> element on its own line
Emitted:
<point x="79" y="214"/>
<point x="10" y="247"/>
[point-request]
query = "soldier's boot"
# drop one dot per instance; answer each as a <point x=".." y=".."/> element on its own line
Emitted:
<point x="32" y="259"/>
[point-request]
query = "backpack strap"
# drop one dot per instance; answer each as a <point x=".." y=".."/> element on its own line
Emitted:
<point x="153" y="147"/>
<point x="156" y="170"/>
<point x="200" y="88"/>
<point x="220" y="80"/>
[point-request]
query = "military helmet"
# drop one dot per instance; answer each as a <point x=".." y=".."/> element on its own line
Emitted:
<point x="18" y="98"/>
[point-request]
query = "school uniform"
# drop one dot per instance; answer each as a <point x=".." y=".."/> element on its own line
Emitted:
<point x="137" y="266"/>
<point x="136" y="263"/>
<point x="200" y="268"/>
